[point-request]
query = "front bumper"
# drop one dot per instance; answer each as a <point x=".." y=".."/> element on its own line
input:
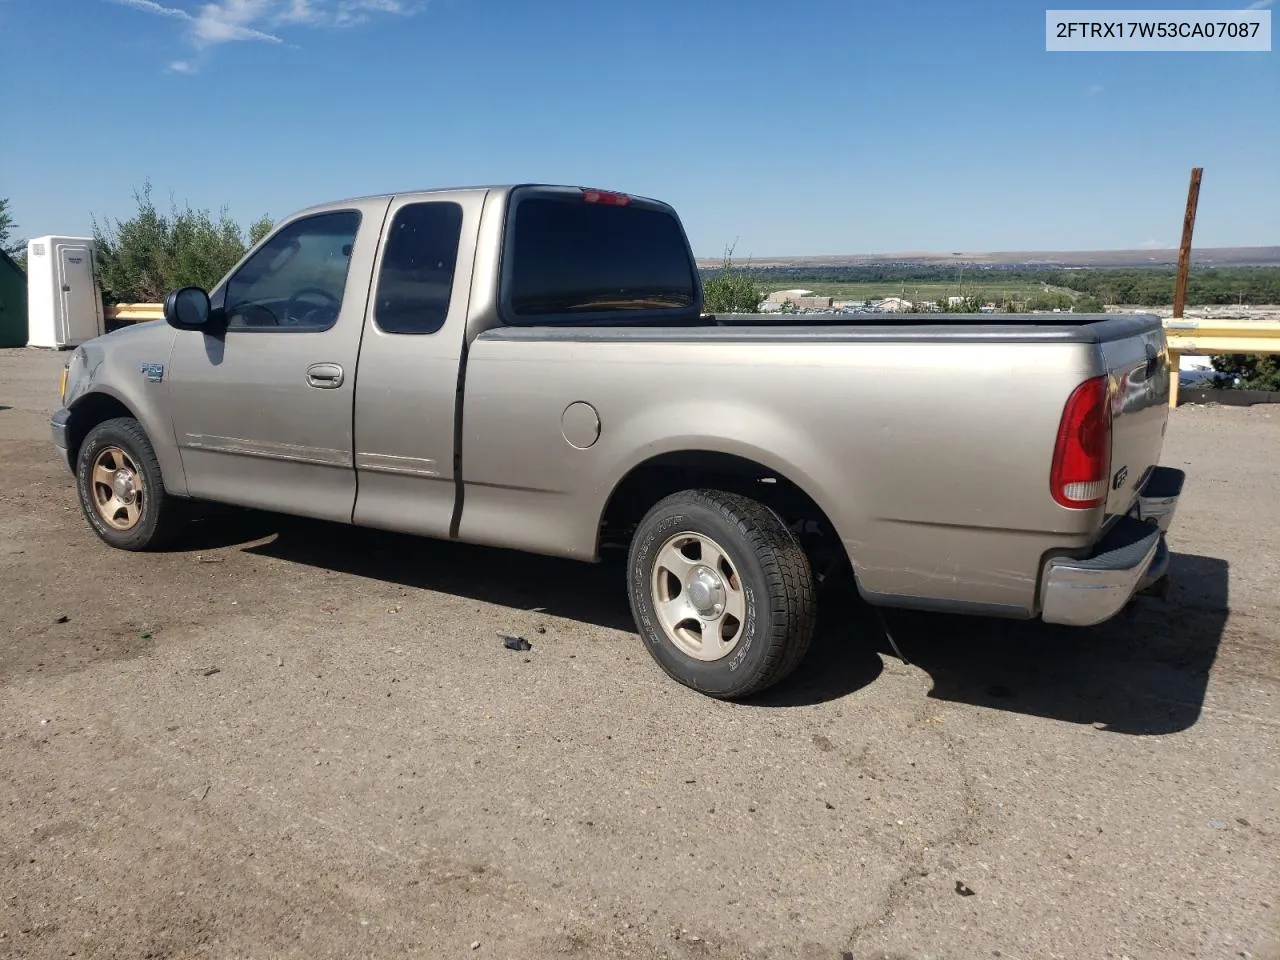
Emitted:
<point x="58" y="427"/>
<point x="1129" y="559"/>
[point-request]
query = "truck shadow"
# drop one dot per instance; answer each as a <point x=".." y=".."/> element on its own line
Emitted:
<point x="591" y="593"/>
<point x="1143" y="673"/>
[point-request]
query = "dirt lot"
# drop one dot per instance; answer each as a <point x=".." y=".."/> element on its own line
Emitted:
<point x="290" y="739"/>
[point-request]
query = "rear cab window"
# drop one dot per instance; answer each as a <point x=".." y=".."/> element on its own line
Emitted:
<point x="575" y="256"/>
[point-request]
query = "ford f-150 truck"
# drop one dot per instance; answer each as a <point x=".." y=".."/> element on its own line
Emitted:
<point x="530" y="367"/>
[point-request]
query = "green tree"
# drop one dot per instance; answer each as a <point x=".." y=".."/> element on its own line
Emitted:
<point x="731" y="289"/>
<point x="1256" y="371"/>
<point x="143" y="258"/>
<point x="16" y="248"/>
<point x="258" y="230"/>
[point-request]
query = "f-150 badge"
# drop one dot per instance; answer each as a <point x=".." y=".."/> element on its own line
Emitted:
<point x="154" y="372"/>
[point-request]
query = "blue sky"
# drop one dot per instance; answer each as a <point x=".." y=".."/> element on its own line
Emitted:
<point x="794" y="128"/>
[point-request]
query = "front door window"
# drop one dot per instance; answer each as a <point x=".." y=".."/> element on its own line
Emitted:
<point x="295" y="281"/>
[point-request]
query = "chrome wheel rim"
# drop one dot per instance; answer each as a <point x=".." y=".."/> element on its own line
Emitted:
<point x="698" y="597"/>
<point x="117" y="489"/>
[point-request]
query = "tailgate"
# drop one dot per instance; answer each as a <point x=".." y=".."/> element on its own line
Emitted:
<point x="1139" y="373"/>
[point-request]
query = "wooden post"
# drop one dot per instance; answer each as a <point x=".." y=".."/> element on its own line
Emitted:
<point x="1184" y="252"/>
<point x="1184" y="267"/>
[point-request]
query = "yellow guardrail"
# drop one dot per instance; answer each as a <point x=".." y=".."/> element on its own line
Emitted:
<point x="135" y="312"/>
<point x="1208" y="337"/>
<point x="1185" y="337"/>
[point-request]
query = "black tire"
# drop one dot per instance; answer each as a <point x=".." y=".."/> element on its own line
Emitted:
<point x="160" y="514"/>
<point x="774" y="575"/>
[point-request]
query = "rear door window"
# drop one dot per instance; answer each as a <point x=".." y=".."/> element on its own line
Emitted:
<point x="415" y="282"/>
<point x="568" y="259"/>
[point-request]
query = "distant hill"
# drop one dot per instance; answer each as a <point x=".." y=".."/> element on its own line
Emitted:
<point x="1204" y="257"/>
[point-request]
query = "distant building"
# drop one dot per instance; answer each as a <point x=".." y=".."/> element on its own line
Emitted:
<point x="955" y="301"/>
<point x="799" y="300"/>
<point x="894" y="305"/>
<point x="782" y="296"/>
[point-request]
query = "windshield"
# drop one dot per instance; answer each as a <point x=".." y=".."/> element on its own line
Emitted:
<point x="574" y="258"/>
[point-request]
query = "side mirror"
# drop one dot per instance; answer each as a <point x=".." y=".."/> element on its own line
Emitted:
<point x="187" y="309"/>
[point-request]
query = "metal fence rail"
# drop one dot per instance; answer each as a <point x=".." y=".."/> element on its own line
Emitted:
<point x="135" y="312"/>
<point x="1210" y="337"/>
<point x="1185" y="337"/>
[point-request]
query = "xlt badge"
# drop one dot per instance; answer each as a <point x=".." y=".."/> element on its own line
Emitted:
<point x="1118" y="480"/>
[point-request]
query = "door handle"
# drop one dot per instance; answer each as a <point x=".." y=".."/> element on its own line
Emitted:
<point x="324" y="375"/>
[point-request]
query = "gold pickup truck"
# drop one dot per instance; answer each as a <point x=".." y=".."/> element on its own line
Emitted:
<point x="530" y="367"/>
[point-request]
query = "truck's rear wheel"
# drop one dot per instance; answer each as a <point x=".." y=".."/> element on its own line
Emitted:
<point x="721" y="591"/>
<point x="120" y="489"/>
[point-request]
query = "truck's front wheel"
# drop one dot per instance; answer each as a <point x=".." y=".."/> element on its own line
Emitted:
<point x="721" y="591"/>
<point x="121" y="492"/>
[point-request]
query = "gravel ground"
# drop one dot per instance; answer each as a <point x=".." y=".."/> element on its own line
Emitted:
<point x="292" y="739"/>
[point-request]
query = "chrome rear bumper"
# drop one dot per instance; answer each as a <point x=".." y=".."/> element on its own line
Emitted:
<point x="1158" y="498"/>
<point x="1129" y="559"/>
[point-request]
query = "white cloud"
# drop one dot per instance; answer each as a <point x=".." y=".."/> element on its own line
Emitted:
<point x="228" y="20"/>
<point x="380" y="6"/>
<point x="151" y="7"/>
<point x="301" y="11"/>
<point x="216" y="22"/>
<point x="351" y="12"/>
<point x="1155" y="245"/>
<point x="1260" y="4"/>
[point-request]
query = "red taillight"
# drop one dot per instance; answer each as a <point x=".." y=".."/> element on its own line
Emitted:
<point x="1082" y="455"/>
<point x="606" y="197"/>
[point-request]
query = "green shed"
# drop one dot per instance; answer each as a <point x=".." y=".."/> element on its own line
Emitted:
<point x="13" y="303"/>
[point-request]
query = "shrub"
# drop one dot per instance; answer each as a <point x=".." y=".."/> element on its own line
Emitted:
<point x="145" y="257"/>
<point x="730" y="289"/>
<point x="1256" y="371"/>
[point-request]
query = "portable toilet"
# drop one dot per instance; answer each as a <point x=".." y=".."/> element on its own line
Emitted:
<point x="64" y="304"/>
<point x="13" y="303"/>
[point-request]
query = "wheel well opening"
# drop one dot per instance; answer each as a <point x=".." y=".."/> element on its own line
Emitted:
<point x="88" y="412"/>
<point x="654" y="479"/>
